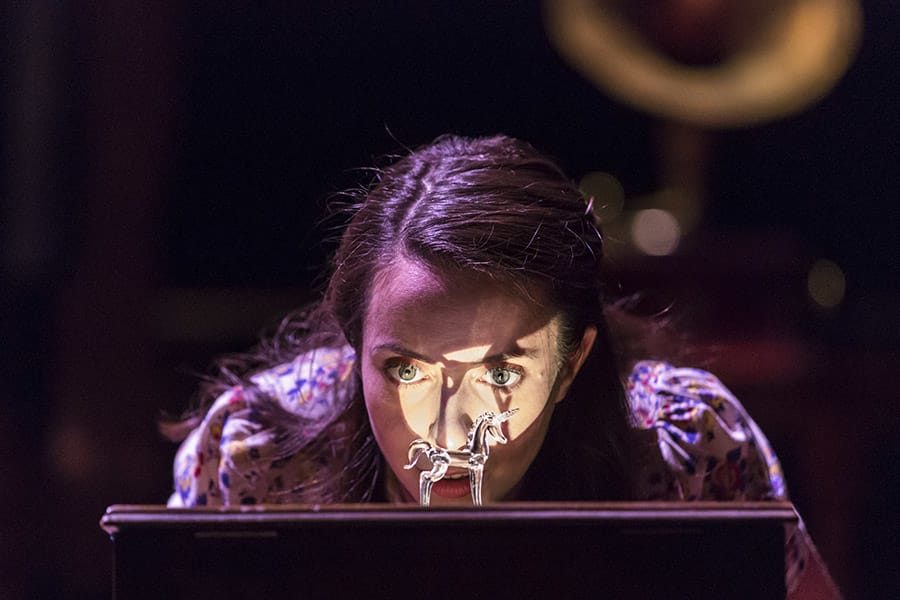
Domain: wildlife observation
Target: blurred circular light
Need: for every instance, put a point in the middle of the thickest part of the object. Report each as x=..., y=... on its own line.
x=607, y=192
x=826, y=284
x=655, y=232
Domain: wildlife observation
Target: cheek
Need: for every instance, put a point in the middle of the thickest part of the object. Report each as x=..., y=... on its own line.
x=382, y=411
x=418, y=408
x=386, y=416
x=391, y=408
x=534, y=402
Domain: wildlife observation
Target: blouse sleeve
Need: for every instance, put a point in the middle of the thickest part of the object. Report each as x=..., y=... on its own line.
x=232, y=458
x=198, y=460
x=706, y=438
x=710, y=448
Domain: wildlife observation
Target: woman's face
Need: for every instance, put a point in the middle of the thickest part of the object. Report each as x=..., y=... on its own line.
x=440, y=350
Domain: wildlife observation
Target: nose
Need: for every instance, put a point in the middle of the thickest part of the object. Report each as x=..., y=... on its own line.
x=451, y=432
x=459, y=408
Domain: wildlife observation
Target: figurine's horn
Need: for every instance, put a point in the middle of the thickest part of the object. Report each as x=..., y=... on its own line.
x=505, y=415
x=497, y=431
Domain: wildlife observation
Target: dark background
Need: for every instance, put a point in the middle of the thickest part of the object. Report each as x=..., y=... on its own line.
x=165, y=170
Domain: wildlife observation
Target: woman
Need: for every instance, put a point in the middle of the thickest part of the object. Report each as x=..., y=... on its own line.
x=468, y=280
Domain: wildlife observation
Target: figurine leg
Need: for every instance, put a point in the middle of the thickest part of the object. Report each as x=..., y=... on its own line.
x=476, y=473
x=428, y=478
x=425, y=483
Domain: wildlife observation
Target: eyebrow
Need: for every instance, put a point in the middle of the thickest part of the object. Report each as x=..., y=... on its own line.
x=403, y=351
x=517, y=352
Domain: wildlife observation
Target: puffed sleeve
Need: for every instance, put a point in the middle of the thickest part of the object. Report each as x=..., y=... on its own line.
x=196, y=467
x=233, y=457
x=711, y=445
x=708, y=448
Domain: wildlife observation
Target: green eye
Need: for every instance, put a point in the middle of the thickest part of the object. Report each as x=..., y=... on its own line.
x=405, y=373
x=503, y=376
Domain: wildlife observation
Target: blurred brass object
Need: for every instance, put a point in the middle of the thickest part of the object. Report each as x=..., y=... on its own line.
x=752, y=71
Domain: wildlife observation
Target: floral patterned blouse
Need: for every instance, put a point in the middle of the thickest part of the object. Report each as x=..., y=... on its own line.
x=706, y=445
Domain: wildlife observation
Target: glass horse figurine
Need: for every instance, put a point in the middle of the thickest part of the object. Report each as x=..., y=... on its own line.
x=485, y=429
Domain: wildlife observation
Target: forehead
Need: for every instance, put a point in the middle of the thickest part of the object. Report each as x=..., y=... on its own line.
x=417, y=304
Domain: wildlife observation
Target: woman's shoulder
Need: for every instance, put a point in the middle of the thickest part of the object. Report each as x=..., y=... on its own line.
x=707, y=445
x=310, y=385
x=656, y=389
x=701, y=444
x=239, y=453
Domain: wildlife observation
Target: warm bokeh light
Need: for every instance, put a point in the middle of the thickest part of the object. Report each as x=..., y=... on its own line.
x=607, y=192
x=655, y=232
x=826, y=284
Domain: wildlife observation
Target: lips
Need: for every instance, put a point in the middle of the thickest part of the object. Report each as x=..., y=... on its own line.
x=451, y=487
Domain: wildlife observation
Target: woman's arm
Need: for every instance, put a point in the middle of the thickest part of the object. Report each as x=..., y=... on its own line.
x=709, y=448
